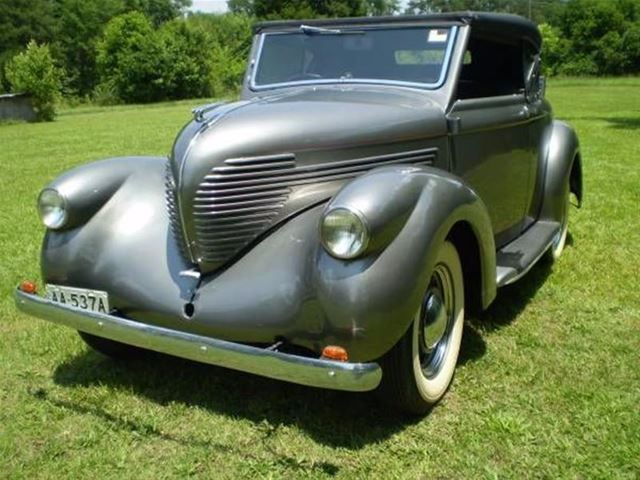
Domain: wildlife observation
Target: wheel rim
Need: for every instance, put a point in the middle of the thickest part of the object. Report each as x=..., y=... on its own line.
x=436, y=321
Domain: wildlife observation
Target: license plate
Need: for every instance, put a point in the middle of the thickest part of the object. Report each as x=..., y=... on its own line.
x=81, y=298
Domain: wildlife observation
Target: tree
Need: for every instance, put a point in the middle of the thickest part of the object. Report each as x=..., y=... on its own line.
x=631, y=48
x=241, y=7
x=382, y=7
x=538, y=11
x=186, y=64
x=20, y=22
x=554, y=49
x=280, y=9
x=595, y=30
x=229, y=38
x=158, y=11
x=130, y=59
x=34, y=72
x=78, y=26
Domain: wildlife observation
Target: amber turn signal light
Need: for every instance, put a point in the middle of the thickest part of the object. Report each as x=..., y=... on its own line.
x=27, y=286
x=333, y=352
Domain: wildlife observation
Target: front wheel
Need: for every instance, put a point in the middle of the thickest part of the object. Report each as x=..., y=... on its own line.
x=418, y=370
x=560, y=240
x=111, y=348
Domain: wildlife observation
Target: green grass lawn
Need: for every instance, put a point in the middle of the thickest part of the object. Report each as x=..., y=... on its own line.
x=548, y=384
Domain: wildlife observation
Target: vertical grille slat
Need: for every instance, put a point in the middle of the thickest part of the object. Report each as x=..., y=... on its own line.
x=172, y=209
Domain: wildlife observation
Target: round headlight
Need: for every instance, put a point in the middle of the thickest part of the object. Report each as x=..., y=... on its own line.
x=344, y=233
x=52, y=208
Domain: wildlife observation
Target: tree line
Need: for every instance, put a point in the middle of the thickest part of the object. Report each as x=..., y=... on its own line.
x=111, y=51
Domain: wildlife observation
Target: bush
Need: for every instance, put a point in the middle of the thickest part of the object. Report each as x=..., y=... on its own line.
x=138, y=63
x=228, y=41
x=34, y=72
x=187, y=60
x=130, y=59
x=554, y=49
x=631, y=48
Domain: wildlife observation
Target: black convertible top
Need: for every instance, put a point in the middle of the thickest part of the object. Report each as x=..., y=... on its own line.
x=502, y=24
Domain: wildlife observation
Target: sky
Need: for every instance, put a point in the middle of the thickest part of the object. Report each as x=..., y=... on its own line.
x=219, y=6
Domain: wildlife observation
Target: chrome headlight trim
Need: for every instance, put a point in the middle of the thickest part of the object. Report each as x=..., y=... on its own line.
x=360, y=239
x=52, y=208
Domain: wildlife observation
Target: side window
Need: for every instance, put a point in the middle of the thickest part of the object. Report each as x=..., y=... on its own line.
x=491, y=68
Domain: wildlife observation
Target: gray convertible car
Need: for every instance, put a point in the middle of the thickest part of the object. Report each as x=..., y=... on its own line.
x=378, y=179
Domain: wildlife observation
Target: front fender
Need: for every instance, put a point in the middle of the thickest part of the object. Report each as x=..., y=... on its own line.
x=125, y=244
x=88, y=187
x=562, y=151
x=374, y=298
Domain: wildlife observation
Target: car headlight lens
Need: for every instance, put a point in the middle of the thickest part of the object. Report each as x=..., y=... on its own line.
x=344, y=233
x=52, y=208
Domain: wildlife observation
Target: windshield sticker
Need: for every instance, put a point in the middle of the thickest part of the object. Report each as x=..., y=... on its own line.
x=438, y=36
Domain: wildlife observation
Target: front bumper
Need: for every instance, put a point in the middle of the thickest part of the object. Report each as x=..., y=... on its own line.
x=356, y=377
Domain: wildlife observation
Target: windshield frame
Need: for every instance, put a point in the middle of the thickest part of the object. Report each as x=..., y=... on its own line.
x=446, y=63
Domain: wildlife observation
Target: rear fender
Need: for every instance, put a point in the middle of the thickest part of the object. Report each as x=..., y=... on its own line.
x=562, y=170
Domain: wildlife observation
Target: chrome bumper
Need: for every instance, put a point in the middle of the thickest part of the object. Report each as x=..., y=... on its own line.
x=355, y=377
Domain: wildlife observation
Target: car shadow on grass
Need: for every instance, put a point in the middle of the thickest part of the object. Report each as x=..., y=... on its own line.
x=341, y=419
x=618, y=123
x=512, y=299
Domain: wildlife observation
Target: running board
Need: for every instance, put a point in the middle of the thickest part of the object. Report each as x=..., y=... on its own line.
x=515, y=259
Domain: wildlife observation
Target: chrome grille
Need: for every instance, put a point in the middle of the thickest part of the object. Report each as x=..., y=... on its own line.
x=172, y=209
x=242, y=198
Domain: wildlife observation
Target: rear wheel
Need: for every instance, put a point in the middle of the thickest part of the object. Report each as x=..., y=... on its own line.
x=418, y=370
x=111, y=348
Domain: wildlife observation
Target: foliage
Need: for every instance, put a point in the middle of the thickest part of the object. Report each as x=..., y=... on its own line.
x=582, y=37
x=72, y=28
x=538, y=11
x=78, y=25
x=228, y=41
x=382, y=7
x=282, y=9
x=631, y=48
x=34, y=72
x=186, y=60
x=139, y=63
x=554, y=49
x=20, y=22
x=130, y=58
x=158, y=11
x=601, y=37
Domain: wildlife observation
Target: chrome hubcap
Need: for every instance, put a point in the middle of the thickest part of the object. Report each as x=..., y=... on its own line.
x=436, y=321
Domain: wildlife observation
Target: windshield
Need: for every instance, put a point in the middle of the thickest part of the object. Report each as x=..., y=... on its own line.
x=416, y=56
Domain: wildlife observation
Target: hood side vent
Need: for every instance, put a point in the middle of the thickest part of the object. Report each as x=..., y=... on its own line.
x=242, y=198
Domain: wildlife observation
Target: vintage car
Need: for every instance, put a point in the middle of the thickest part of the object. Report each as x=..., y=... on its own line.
x=378, y=178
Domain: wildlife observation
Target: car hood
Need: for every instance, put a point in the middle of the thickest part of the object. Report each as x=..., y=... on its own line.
x=241, y=150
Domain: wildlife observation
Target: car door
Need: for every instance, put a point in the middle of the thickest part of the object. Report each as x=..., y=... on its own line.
x=490, y=133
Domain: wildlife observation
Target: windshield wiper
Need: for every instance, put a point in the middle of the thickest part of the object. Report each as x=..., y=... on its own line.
x=309, y=30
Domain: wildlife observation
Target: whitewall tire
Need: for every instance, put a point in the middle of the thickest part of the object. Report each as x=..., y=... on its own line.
x=418, y=370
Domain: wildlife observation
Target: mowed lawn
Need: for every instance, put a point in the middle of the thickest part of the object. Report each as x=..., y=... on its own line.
x=548, y=384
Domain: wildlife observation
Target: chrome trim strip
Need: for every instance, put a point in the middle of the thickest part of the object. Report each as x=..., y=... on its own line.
x=347, y=81
x=355, y=377
x=179, y=183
